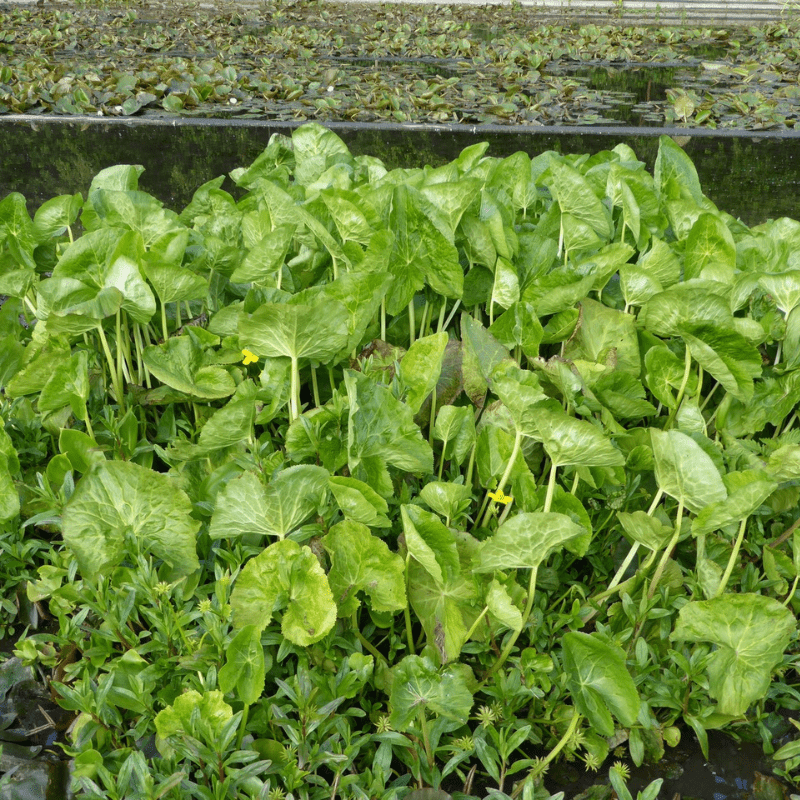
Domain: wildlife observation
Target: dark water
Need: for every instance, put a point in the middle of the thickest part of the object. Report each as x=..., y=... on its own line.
x=754, y=176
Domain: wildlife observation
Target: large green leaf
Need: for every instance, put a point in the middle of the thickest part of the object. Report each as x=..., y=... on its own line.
x=244, y=671
x=752, y=488
x=724, y=354
x=199, y=716
x=359, y=502
x=381, y=432
x=576, y=197
x=294, y=330
x=599, y=682
x=285, y=576
x=181, y=363
x=685, y=471
x=233, y=423
x=674, y=174
x=710, y=247
x=574, y=442
x=526, y=540
x=120, y=509
x=417, y=686
x=751, y=632
x=420, y=368
x=430, y=542
x=606, y=336
x=360, y=562
x=420, y=254
x=245, y=506
x=481, y=353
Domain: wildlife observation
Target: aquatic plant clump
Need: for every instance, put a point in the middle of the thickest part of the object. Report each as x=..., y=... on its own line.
x=367, y=480
x=404, y=63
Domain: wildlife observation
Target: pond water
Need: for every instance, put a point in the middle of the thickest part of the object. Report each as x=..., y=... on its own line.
x=754, y=176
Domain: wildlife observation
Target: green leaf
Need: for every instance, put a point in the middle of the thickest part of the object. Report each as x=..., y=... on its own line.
x=200, y=716
x=441, y=608
x=183, y=365
x=120, y=509
x=420, y=368
x=315, y=150
x=751, y=490
x=285, y=576
x=417, y=687
x=674, y=174
x=685, y=471
x=266, y=257
x=526, y=540
x=576, y=197
x=599, y=682
x=244, y=506
x=430, y=543
x=68, y=386
x=420, y=254
x=784, y=288
x=750, y=631
x=709, y=245
x=481, y=353
x=381, y=431
x=455, y=427
x=502, y=607
x=17, y=229
x=173, y=283
x=359, y=502
x=519, y=326
x=233, y=423
x=606, y=336
x=103, y=261
x=55, y=215
x=295, y=331
x=449, y=500
x=574, y=442
x=244, y=671
x=724, y=354
x=685, y=303
x=360, y=562
x=645, y=530
x=9, y=498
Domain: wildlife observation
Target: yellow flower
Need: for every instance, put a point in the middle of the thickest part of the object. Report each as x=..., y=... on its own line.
x=249, y=358
x=499, y=497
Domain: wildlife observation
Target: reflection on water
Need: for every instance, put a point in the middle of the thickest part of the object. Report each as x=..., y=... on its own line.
x=752, y=176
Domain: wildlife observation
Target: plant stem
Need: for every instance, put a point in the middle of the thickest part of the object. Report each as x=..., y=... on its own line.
x=294, y=396
x=440, y=325
x=515, y=635
x=682, y=389
x=111, y=369
x=164, y=330
x=314, y=386
x=451, y=314
x=411, y=323
x=665, y=557
x=551, y=486
x=407, y=611
x=365, y=643
x=383, y=319
x=562, y=743
x=506, y=475
x=475, y=624
x=732, y=560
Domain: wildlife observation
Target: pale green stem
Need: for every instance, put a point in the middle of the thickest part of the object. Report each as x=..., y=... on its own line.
x=411, y=323
x=708, y=396
x=294, y=398
x=506, y=475
x=30, y=305
x=476, y=623
x=562, y=743
x=315, y=387
x=383, y=320
x=111, y=370
x=406, y=611
x=432, y=417
x=575, y=481
x=551, y=486
x=88, y=422
x=682, y=388
x=365, y=643
x=118, y=329
x=442, y=311
x=451, y=314
x=515, y=635
x=792, y=591
x=441, y=459
x=666, y=554
x=732, y=560
x=242, y=726
x=424, y=321
x=178, y=320
x=164, y=330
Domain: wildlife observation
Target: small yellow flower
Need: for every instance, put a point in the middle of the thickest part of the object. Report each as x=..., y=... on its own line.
x=499, y=497
x=249, y=358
